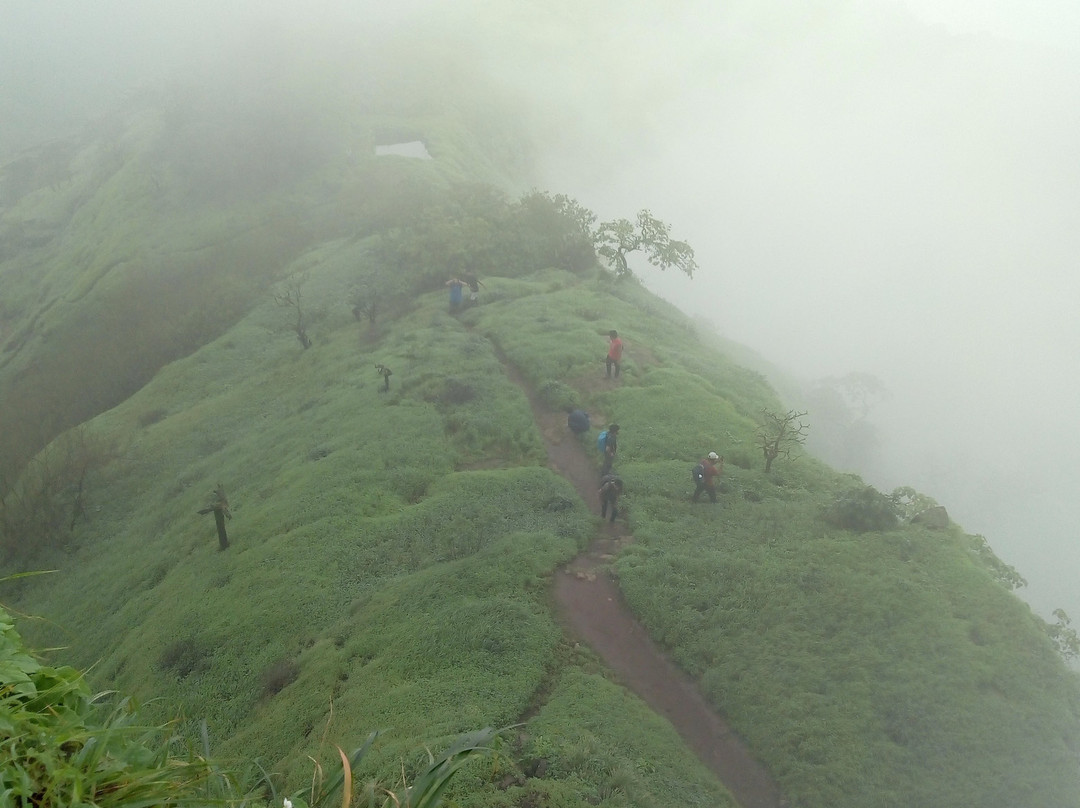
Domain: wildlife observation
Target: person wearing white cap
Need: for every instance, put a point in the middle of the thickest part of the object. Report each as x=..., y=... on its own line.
x=705, y=474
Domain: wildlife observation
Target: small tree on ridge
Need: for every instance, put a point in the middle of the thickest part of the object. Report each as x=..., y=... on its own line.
x=615, y=239
x=290, y=298
x=779, y=434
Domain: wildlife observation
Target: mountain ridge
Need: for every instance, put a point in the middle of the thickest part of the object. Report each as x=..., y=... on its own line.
x=392, y=551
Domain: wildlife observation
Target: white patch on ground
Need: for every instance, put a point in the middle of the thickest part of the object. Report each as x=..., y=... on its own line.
x=414, y=148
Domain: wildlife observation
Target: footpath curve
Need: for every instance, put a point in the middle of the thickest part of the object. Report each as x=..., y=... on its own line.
x=592, y=610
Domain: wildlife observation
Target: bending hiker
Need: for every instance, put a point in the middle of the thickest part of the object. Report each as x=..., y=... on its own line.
x=386, y=373
x=705, y=474
x=614, y=354
x=474, y=288
x=610, y=488
x=608, y=443
x=455, y=293
x=578, y=421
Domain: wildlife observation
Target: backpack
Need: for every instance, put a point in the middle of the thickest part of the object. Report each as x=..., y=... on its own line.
x=698, y=472
x=601, y=441
x=578, y=421
x=612, y=480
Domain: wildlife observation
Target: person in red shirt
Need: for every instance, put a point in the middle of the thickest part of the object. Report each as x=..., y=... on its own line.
x=614, y=354
x=707, y=481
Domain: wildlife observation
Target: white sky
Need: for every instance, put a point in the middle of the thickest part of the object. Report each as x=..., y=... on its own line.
x=1044, y=23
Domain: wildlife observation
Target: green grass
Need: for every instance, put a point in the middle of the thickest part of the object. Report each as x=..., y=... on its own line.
x=848, y=659
x=63, y=745
x=393, y=585
x=341, y=490
x=391, y=552
x=795, y=629
x=608, y=746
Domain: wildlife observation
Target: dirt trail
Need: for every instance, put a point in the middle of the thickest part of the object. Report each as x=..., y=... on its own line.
x=592, y=609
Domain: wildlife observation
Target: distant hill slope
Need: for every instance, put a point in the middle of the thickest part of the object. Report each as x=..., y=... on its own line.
x=153, y=230
x=390, y=551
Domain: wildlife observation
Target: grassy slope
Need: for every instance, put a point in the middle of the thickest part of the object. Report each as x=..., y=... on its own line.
x=391, y=550
x=155, y=229
x=378, y=571
x=128, y=276
x=882, y=668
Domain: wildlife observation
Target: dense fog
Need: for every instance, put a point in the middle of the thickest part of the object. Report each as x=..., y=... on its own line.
x=891, y=188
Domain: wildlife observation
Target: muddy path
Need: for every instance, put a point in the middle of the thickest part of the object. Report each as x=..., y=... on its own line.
x=593, y=611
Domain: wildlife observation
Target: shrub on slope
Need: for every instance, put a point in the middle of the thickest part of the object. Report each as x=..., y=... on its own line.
x=62, y=745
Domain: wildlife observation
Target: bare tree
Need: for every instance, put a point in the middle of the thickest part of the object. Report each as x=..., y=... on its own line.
x=48, y=499
x=366, y=303
x=290, y=298
x=779, y=434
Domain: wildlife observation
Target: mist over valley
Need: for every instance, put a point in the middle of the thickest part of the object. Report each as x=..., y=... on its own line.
x=295, y=302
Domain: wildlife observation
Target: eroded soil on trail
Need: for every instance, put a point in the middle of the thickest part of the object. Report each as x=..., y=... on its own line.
x=593, y=611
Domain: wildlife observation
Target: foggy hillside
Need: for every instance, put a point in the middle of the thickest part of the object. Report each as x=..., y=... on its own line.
x=884, y=188
x=225, y=298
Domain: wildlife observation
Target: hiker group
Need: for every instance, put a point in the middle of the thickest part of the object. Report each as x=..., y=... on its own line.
x=457, y=291
x=611, y=485
x=704, y=474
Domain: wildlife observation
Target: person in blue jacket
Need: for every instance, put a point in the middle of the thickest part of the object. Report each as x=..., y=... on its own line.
x=456, y=293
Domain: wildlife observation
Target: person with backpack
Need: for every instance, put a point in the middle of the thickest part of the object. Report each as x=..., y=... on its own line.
x=610, y=488
x=386, y=373
x=614, y=354
x=456, y=294
x=608, y=443
x=578, y=421
x=705, y=474
x=474, y=285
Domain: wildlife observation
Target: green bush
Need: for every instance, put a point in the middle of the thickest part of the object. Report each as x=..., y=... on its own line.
x=558, y=396
x=62, y=746
x=862, y=510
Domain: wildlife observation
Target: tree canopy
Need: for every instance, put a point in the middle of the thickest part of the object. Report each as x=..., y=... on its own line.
x=616, y=239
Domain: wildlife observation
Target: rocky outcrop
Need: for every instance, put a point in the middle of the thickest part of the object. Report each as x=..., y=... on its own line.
x=936, y=518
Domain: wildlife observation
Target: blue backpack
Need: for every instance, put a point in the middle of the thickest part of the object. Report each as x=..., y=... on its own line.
x=601, y=441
